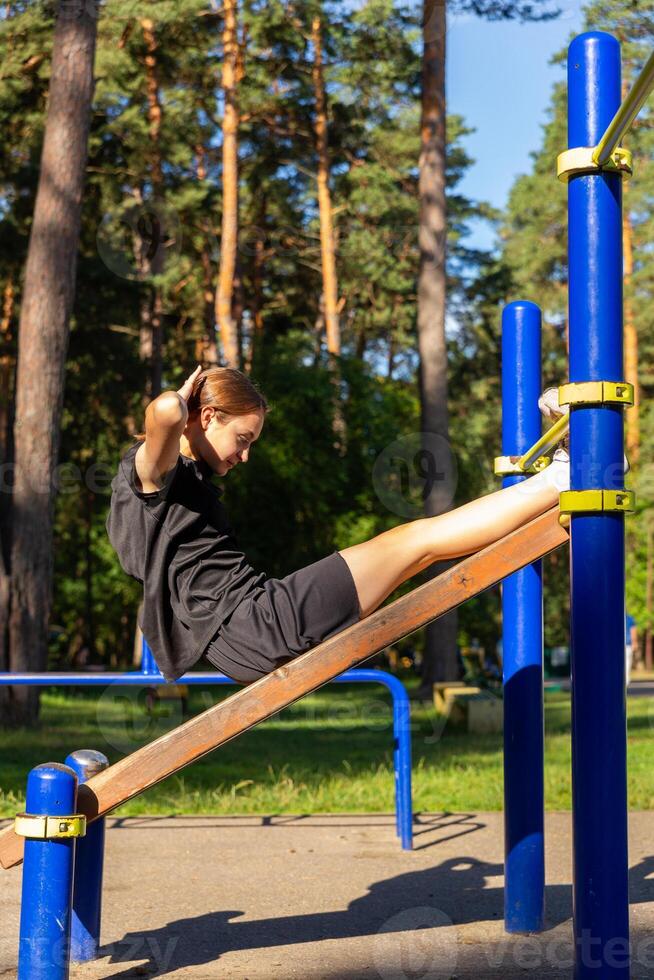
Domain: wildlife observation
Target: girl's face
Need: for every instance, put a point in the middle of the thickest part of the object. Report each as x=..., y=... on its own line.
x=224, y=445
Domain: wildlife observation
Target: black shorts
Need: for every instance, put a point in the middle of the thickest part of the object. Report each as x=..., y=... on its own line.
x=285, y=617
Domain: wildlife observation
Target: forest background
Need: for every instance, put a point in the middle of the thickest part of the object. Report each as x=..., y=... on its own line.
x=255, y=187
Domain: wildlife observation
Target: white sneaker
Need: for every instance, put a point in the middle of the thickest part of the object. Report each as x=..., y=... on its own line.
x=549, y=405
x=550, y=409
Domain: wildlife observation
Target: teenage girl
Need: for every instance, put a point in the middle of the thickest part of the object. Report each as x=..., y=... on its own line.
x=201, y=596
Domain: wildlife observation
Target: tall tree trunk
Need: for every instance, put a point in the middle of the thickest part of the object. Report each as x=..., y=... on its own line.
x=7, y=377
x=229, y=238
x=47, y=302
x=391, y=355
x=649, y=659
x=440, y=661
x=362, y=343
x=89, y=625
x=207, y=348
x=330, y=306
x=630, y=339
x=256, y=302
x=392, y=343
x=155, y=111
x=238, y=308
x=7, y=367
x=154, y=232
x=327, y=250
x=7, y=373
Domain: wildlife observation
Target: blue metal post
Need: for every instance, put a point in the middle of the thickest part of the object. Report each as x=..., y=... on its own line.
x=148, y=663
x=89, y=859
x=522, y=644
x=599, y=780
x=45, y=912
x=401, y=761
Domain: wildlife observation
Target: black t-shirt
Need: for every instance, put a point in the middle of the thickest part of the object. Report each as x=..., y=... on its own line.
x=178, y=543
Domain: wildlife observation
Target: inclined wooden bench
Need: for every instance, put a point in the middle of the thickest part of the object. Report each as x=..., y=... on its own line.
x=250, y=705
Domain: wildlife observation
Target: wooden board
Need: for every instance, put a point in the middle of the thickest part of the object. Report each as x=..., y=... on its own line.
x=250, y=705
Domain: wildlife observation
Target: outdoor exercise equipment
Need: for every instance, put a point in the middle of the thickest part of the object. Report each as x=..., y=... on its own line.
x=150, y=675
x=522, y=640
x=50, y=827
x=593, y=166
x=597, y=502
x=250, y=705
x=89, y=859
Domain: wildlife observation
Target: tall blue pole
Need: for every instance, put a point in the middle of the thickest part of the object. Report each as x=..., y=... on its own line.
x=45, y=912
x=89, y=861
x=522, y=644
x=599, y=779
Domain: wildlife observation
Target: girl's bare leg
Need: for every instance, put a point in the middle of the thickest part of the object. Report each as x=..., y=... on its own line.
x=382, y=564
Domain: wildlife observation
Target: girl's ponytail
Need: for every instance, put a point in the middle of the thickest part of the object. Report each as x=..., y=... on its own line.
x=195, y=398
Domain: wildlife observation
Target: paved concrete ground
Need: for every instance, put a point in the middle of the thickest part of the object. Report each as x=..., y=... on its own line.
x=329, y=898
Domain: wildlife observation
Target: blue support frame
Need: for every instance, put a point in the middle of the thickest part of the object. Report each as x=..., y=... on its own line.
x=89, y=861
x=45, y=912
x=522, y=644
x=150, y=676
x=597, y=562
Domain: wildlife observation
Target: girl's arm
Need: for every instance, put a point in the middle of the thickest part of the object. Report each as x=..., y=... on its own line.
x=165, y=420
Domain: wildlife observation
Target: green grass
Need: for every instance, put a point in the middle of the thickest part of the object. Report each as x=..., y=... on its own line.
x=331, y=752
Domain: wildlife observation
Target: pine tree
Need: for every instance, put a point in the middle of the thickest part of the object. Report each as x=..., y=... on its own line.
x=47, y=301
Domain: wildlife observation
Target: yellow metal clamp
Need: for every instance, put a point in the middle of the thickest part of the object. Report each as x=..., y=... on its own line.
x=49, y=828
x=590, y=501
x=597, y=393
x=581, y=160
x=510, y=465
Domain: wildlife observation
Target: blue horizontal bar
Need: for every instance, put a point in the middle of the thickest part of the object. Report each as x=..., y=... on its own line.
x=363, y=675
x=136, y=677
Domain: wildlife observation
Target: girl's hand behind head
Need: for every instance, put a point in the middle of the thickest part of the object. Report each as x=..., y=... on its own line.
x=186, y=390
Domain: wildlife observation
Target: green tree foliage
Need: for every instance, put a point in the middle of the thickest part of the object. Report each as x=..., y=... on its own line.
x=296, y=500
